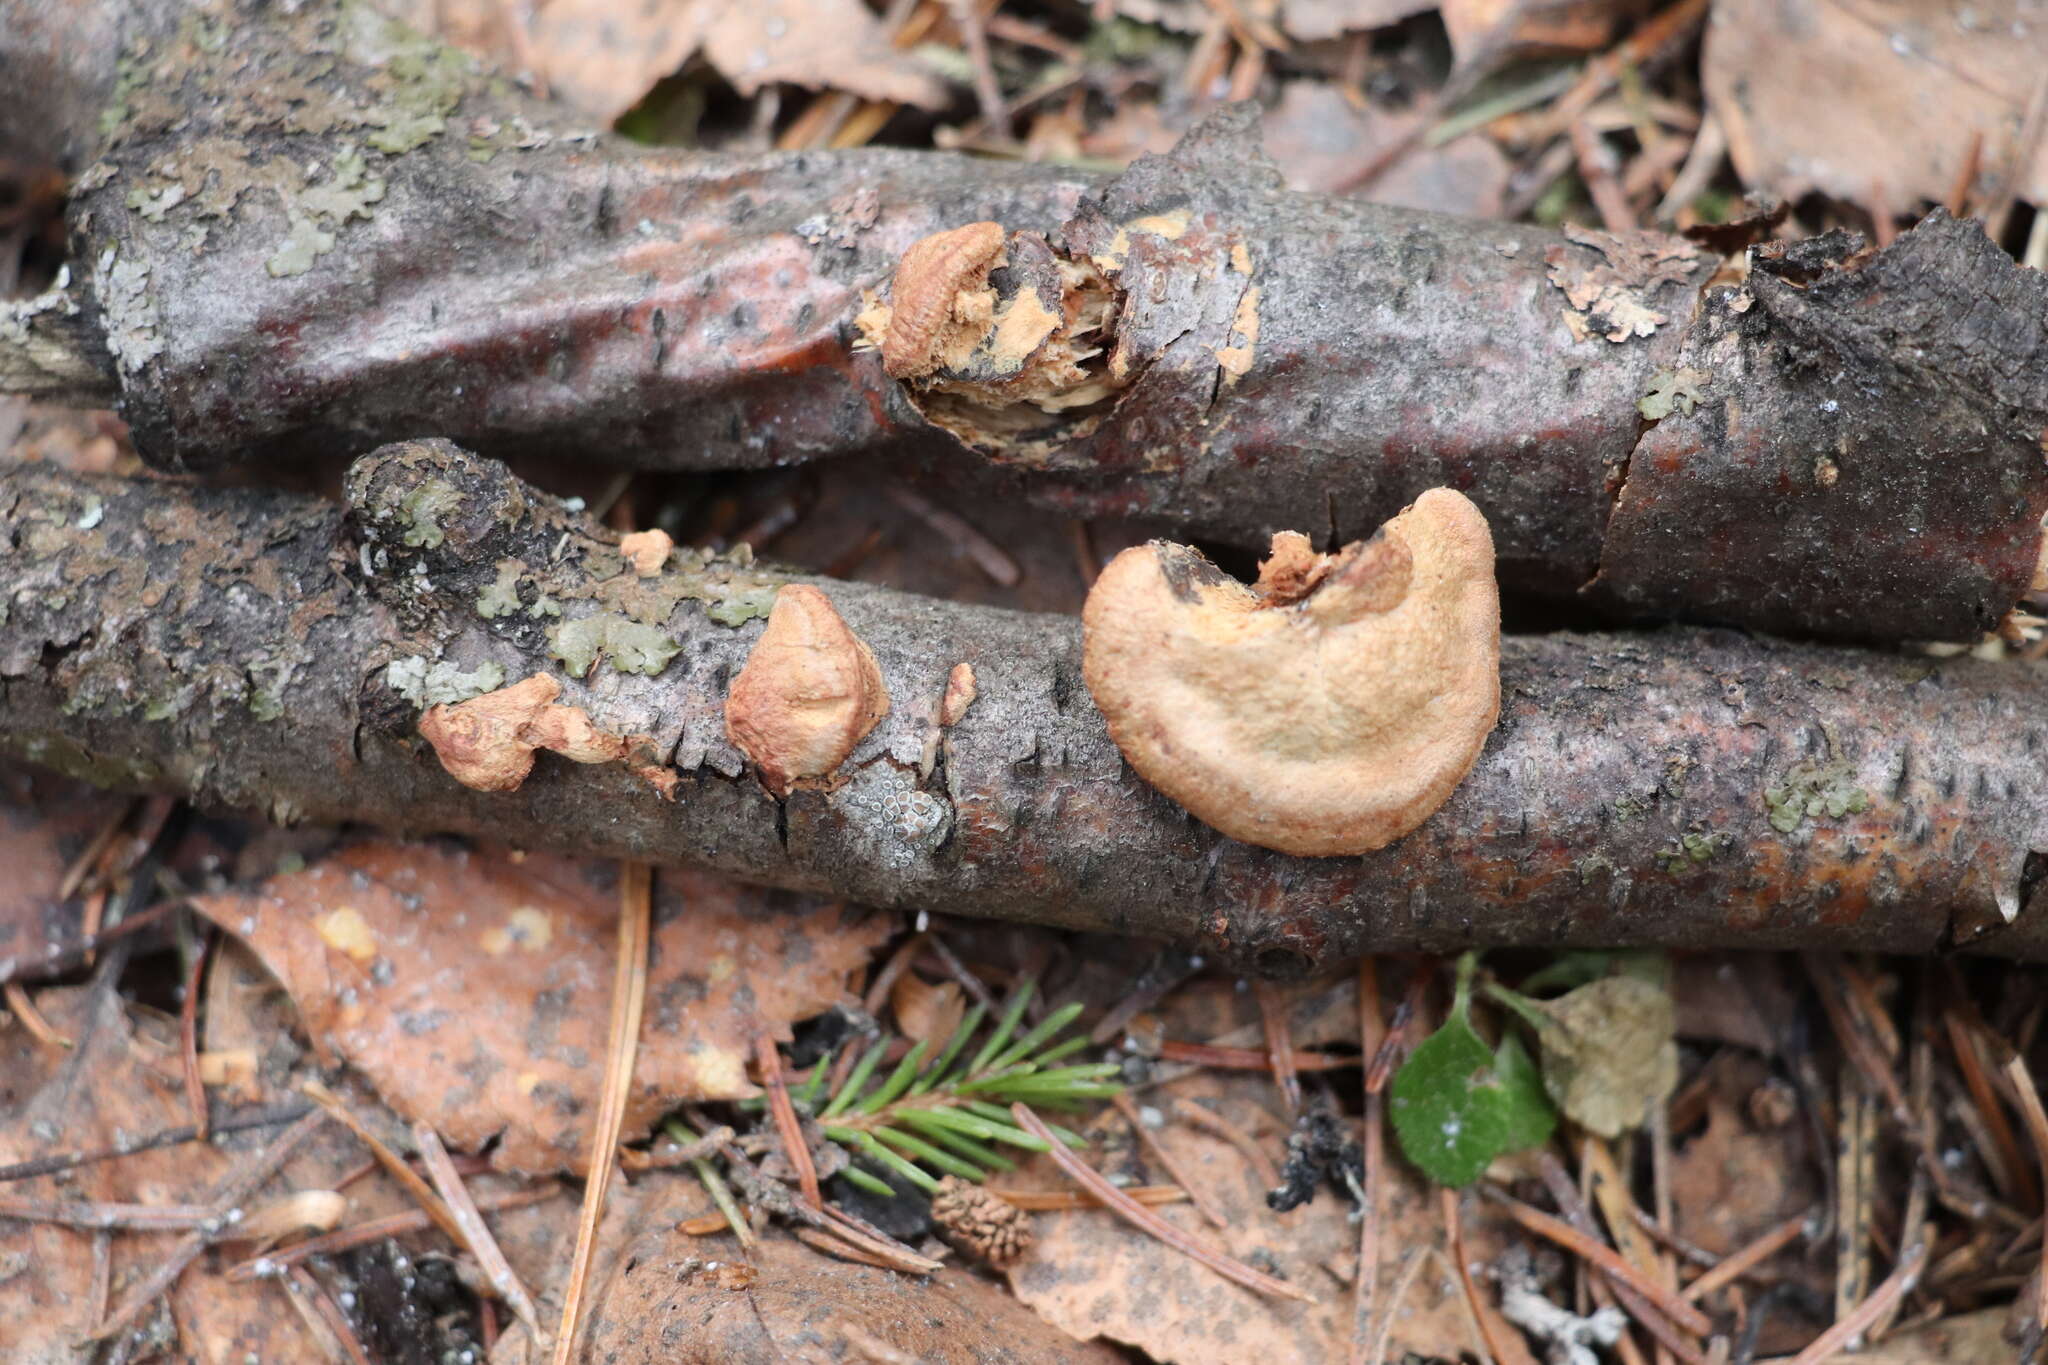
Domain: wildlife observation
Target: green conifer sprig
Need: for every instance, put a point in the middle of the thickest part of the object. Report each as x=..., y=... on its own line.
x=921, y=1122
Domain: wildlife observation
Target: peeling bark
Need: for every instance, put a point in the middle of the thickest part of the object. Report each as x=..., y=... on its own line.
x=308, y=230
x=1686, y=789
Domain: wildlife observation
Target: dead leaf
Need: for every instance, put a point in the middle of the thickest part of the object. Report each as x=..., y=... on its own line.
x=1608, y=1052
x=46, y=821
x=1320, y=140
x=925, y=1013
x=822, y=44
x=472, y=987
x=661, y=1295
x=603, y=57
x=1875, y=101
x=1730, y=1185
x=1574, y=26
x=1310, y=21
x=1095, y=1275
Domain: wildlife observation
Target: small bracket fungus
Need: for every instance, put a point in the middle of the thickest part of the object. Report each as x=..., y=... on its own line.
x=1326, y=710
x=808, y=693
x=959, y=695
x=487, y=742
x=646, y=551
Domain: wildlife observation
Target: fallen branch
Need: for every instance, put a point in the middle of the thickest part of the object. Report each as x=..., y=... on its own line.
x=1685, y=789
x=309, y=229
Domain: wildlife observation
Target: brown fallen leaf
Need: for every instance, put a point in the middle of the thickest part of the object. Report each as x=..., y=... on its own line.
x=1575, y=26
x=1876, y=103
x=45, y=822
x=1321, y=142
x=1094, y=1275
x=660, y=1294
x=602, y=57
x=471, y=988
x=1730, y=1184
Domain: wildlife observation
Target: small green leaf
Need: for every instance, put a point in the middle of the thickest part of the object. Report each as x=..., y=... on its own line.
x=1457, y=1105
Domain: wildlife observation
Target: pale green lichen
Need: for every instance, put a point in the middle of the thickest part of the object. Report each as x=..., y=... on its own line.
x=501, y=596
x=423, y=508
x=423, y=80
x=349, y=193
x=132, y=72
x=1672, y=390
x=1691, y=851
x=441, y=684
x=1814, y=791
x=732, y=590
x=303, y=244
x=629, y=646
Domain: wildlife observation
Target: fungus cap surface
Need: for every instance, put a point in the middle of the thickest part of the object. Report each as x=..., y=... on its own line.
x=1328, y=709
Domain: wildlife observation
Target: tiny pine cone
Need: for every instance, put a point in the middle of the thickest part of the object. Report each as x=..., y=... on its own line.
x=983, y=1224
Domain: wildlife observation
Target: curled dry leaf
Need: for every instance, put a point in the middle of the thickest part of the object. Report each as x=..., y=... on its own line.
x=1330, y=708
x=809, y=692
x=1609, y=1054
x=471, y=988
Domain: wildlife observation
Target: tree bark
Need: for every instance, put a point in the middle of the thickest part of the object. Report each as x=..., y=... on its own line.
x=1684, y=789
x=310, y=230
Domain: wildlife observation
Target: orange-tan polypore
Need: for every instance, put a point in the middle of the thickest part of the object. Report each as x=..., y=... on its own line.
x=488, y=741
x=808, y=693
x=1328, y=709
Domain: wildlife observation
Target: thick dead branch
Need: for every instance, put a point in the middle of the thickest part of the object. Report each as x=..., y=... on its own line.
x=1686, y=788
x=309, y=229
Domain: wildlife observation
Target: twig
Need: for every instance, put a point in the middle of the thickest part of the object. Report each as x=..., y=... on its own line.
x=1843, y=1332
x=2037, y=1128
x=1067, y=1201
x=1605, y=1258
x=126, y=1217
x=991, y=558
x=1366, y=1280
x=238, y=1185
x=1210, y=1121
x=1736, y=1264
x=416, y=1185
x=1454, y=1233
x=374, y=1230
x=1609, y=1289
x=476, y=1234
x=1149, y=1140
x=1279, y=1043
x=188, y=1035
x=32, y=1020
x=1248, y=1059
x=62, y=957
x=787, y=1125
x=1142, y=1218
x=330, y=1315
x=674, y=1154
x=170, y=1137
x=629, y=997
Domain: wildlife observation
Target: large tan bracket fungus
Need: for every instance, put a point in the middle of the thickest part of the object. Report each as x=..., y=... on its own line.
x=808, y=693
x=1326, y=710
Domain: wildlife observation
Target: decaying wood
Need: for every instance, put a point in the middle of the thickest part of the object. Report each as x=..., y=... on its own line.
x=308, y=229
x=1684, y=788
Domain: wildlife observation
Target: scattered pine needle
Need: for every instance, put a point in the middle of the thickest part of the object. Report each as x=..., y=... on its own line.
x=1142, y=1218
x=188, y=1035
x=1837, y=1338
x=787, y=1126
x=228, y=1195
x=374, y=1230
x=1279, y=1044
x=1371, y=1033
x=629, y=996
x=2037, y=1128
x=1454, y=1232
x=394, y=1164
x=1739, y=1263
x=32, y=1019
x=307, y=1291
x=476, y=1234
x=1666, y=1301
x=1149, y=1140
x=1247, y=1058
x=1068, y=1201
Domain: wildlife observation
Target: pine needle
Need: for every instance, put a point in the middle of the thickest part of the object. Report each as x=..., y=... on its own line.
x=629, y=996
x=476, y=1234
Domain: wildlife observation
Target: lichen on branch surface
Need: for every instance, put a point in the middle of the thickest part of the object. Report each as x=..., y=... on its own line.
x=307, y=228
x=1687, y=788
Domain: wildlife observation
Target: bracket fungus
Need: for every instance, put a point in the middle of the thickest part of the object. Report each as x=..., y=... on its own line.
x=488, y=742
x=1326, y=710
x=809, y=692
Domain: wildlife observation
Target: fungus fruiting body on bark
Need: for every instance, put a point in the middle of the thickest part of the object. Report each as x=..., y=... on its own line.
x=1329, y=708
x=809, y=692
